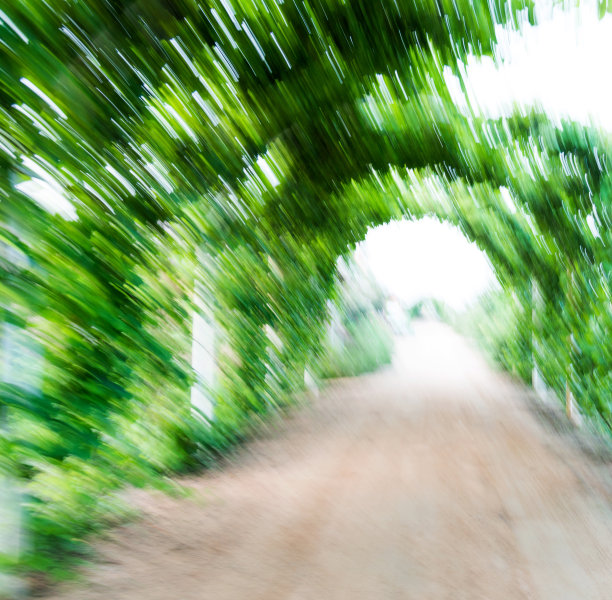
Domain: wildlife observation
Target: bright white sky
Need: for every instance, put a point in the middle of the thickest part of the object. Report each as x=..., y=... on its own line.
x=562, y=65
x=425, y=259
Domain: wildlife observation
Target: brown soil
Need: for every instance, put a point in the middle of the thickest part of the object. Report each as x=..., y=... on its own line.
x=429, y=480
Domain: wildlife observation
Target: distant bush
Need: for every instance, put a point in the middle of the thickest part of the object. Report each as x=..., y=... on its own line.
x=368, y=347
x=525, y=331
x=359, y=340
x=494, y=323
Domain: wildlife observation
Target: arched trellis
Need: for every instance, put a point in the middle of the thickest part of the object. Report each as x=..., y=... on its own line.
x=544, y=237
x=526, y=253
x=258, y=132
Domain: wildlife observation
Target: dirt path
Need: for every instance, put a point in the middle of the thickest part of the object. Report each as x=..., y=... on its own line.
x=431, y=480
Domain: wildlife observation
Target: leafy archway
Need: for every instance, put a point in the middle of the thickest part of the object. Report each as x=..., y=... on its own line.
x=268, y=136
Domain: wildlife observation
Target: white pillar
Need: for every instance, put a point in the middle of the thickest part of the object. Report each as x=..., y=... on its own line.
x=311, y=383
x=571, y=410
x=335, y=330
x=537, y=382
x=570, y=406
x=22, y=364
x=203, y=356
x=11, y=533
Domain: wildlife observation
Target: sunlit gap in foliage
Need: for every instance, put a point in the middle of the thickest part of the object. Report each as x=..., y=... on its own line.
x=426, y=259
x=555, y=65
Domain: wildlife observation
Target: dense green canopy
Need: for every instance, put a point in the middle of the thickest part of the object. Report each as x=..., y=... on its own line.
x=267, y=137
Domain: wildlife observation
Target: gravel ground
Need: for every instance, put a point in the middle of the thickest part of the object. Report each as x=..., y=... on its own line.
x=436, y=478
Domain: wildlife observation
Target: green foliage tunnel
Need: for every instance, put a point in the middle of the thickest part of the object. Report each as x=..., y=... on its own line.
x=240, y=149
